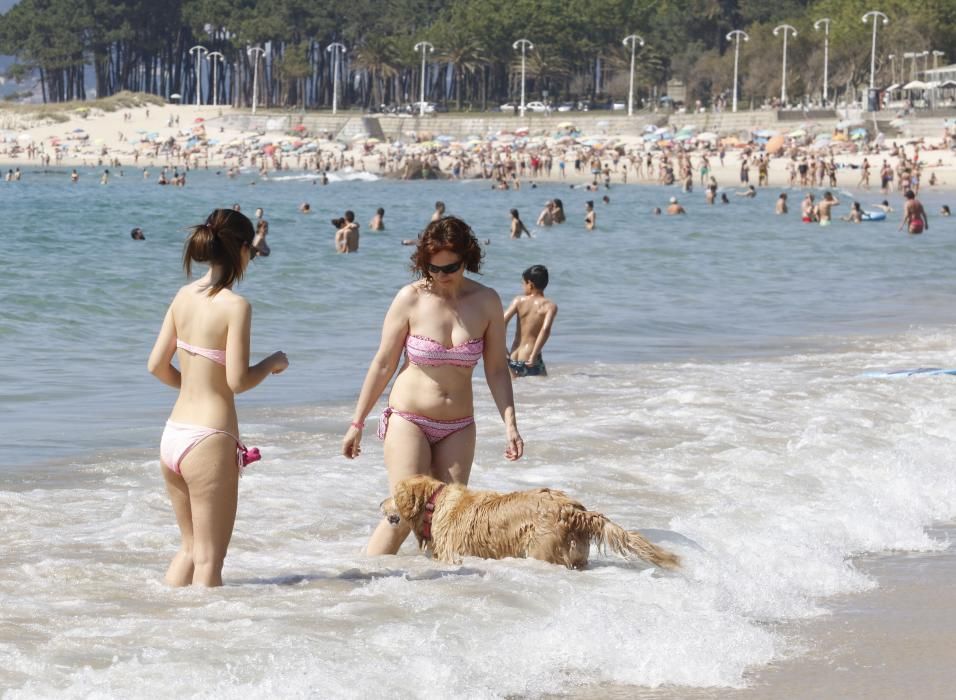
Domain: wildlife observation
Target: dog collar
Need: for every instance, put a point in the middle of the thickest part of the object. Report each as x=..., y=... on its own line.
x=429, y=510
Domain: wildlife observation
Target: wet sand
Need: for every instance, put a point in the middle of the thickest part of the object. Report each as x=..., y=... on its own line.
x=895, y=641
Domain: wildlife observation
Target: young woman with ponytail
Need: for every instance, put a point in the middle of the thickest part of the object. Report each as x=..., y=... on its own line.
x=201, y=453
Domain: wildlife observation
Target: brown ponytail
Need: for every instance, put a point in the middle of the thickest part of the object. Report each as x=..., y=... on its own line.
x=219, y=242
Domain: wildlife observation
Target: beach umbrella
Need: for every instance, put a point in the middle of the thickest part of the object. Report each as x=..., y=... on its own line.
x=299, y=127
x=858, y=134
x=775, y=144
x=764, y=133
x=707, y=136
x=839, y=137
x=445, y=138
x=797, y=133
x=521, y=131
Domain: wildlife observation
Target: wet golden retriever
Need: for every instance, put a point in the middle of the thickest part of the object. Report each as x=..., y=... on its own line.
x=453, y=521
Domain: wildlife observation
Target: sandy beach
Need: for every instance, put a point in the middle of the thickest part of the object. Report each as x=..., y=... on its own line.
x=95, y=138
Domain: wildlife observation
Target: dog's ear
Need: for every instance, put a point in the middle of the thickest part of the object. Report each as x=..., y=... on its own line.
x=411, y=495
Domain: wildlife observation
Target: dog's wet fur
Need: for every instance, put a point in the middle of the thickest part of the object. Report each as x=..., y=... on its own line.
x=542, y=524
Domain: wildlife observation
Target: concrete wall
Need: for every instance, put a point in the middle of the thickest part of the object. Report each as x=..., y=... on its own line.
x=349, y=126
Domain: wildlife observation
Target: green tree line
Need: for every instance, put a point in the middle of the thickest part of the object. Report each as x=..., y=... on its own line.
x=143, y=45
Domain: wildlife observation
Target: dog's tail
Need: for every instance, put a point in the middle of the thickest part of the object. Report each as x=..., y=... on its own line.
x=624, y=542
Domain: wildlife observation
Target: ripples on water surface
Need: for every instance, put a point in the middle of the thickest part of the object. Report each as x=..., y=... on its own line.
x=707, y=386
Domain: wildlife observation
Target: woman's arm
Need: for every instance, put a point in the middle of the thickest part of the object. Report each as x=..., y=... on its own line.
x=498, y=375
x=544, y=334
x=161, y=358
x=383, y=366
x=239, y=375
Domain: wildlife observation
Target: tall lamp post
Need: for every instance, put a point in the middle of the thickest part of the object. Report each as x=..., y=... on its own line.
x=736, y=35
x=255, y=52
x=523, y=44
x=214, y=58
x=785, y=28
x=336, y=48
x=825, y=23
x=634, y=40
x=426, y=48
x=199, y=51
x=874, y=15
x=936, y=56
x=912, y=56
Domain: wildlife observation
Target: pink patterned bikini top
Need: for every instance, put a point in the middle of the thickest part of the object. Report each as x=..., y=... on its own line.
x=217, y=356
x=425, y=351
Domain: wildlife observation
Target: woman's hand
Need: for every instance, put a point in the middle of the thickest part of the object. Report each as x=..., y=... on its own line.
x=515, y=445
x=352, y=444
x=278, y=362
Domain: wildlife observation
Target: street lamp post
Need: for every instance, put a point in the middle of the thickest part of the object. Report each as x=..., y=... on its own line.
x=199, y=51
x=336, y=48
x=737, y=35
x=912, y=56
x=634, y=39
x=215, y=57
x=785, y=28
x=255, y=52
x=875, y=15
x=523, y=44
x=825, y=23
x=426, y=48
x=936, y=56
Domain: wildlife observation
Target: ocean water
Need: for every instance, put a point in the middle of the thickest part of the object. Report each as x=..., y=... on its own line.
x=711, y=384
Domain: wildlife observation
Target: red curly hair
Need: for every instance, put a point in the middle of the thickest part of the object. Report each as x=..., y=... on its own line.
x=448, y=233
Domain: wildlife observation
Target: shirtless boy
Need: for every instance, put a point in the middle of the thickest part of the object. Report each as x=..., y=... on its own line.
x=823, y=208
x=347, y=237
x=535, y=317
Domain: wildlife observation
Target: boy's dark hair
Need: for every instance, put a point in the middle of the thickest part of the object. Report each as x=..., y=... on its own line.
x=380, y=211
x=536, y=275
x=350, y=216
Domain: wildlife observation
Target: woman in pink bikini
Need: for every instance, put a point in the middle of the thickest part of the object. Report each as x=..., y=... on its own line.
x=444, y=323
x=200, y=451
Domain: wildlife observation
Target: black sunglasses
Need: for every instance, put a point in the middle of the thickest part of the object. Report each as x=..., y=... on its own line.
x=447, y=269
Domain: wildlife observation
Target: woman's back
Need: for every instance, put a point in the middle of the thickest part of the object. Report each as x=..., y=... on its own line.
x=202, y=324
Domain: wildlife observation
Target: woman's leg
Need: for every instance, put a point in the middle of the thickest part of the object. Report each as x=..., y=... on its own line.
x=212, y=476
x=407, y=453
x=180, y=571
x=453, y=456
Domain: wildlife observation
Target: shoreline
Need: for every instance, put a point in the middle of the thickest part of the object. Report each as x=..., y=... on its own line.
x=122, y=133
x=893, y=641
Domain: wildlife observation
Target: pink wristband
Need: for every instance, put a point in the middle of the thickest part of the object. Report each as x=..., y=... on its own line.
x=359, y=426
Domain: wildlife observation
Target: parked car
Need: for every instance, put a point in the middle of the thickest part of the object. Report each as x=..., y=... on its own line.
x=416, y=107
x=617, y=106
x=566, y=106
x=536, y=107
